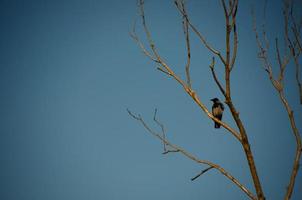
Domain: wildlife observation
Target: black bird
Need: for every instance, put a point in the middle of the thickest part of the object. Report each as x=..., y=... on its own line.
x=217, y=110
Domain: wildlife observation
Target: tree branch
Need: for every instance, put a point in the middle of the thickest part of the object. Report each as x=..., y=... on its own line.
x=279, y=86
x=201, y=173
x=235, y=42
x=134, y=36
x=295, y=46
x=212, y=67
x=235, y=114
x=200, y=36
x=187, y=38
x=176, y=148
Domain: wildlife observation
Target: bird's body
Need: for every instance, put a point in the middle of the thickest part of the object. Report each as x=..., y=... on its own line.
x=217, y=110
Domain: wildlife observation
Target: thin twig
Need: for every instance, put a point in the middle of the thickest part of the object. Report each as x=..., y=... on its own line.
x=200, y=36
x=233, y=5
x=212, y=67
x=263, y=52
x=298, y=77
x=296, y=28
x=235, y=45
x=142, y=47
x=170, y=151
x=282, y=65
x=163, y=70
x=264, y=25
x=162, y=128
x=235, y=34
x=201, y=173
x=226, y=14
x=297, y=38
x=187, y=37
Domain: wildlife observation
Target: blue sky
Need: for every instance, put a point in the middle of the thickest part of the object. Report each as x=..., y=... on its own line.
x=69, y=70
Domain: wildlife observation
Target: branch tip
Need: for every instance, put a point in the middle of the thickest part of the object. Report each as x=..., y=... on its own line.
x=201, y=173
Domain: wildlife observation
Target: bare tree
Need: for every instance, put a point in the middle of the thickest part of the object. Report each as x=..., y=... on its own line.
x=228, y=62
x=292, y=50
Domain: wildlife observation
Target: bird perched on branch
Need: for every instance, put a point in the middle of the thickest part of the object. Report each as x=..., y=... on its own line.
x=217, y=110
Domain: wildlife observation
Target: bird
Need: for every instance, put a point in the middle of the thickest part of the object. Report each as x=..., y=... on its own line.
x=217, y=110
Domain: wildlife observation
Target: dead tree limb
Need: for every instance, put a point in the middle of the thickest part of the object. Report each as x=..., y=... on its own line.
x=212, y=67
x=175, y=148
x=185, y=24
x=230, y=22
x=278, y=84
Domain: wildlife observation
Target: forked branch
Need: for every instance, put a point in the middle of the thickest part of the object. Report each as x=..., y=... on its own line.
x=175, y=148
x=230, y=28
x=279, y=86
x=164, y=67
x=294, y=43
x=195, y=30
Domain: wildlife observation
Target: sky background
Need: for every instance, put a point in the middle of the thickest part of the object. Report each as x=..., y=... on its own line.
x=68, y=72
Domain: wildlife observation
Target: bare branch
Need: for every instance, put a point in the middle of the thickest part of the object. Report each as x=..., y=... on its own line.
x=234, y=8
x=212, y=67
x=226, y=14
x=162, y=128
x=263, y=26
x=227, y=39
x=142, y=47
x=297, y=38
x=298, y=76
x=290, y=187
x=297, y=136
x=200, y=36
x=201, y=173
x=282, y=65
x=235, y=34
x=235, y=45
x=278, y=54
x=170, y=151
x=176, y=148
x=279, y=85
x=186, y=32
x=235, y=114
x=150, y=41
x=296, y=28
x=294, y=45
x=263, y=51
x=163, y=70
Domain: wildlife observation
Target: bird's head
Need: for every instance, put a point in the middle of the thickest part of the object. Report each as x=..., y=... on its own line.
x=215, y=100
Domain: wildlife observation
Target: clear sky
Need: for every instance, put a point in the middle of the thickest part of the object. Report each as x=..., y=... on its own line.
x=69, y=70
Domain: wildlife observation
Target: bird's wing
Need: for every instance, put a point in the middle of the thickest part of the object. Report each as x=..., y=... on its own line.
x=217, y=110
x=222, y=106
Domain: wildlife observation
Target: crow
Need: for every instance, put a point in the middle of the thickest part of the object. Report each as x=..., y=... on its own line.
x=217, y=110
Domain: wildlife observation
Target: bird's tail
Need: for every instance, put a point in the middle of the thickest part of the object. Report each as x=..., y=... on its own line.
x=217, y=125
